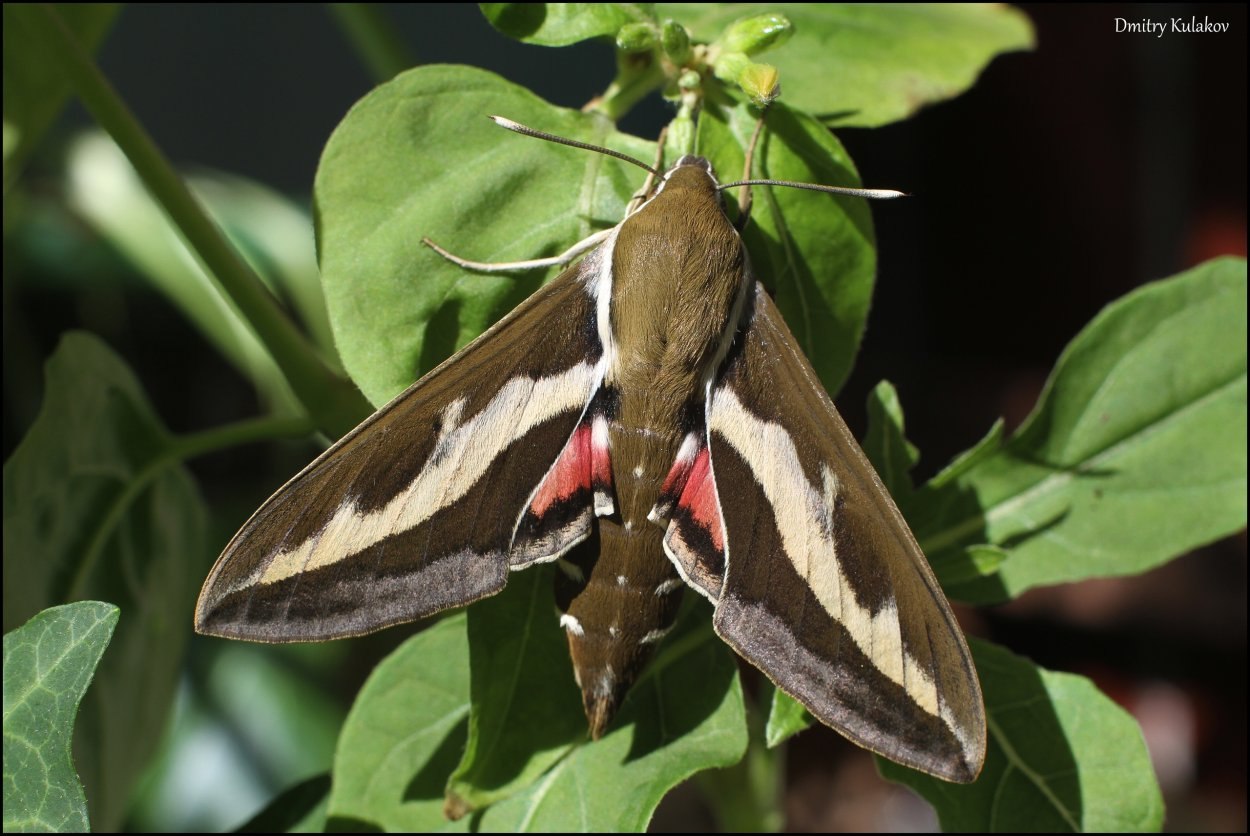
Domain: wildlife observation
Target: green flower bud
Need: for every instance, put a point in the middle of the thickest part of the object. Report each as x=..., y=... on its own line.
x=680, y=137
x=676, y=42
x=635, y=37
x=761, y=82
x=729, y=65
x=688, y=83
x=753, y=35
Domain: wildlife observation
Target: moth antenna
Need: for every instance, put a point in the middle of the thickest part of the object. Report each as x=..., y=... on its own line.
x=876, y=194
x=566, y=257
x=522, y=129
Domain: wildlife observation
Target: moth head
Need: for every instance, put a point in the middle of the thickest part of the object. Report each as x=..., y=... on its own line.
x=693, y=176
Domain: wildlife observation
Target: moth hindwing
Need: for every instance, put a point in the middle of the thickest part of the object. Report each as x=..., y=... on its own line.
x=647, y=421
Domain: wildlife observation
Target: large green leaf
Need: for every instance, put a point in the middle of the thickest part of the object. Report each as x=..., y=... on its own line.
x=95, y=507
x=561, y=24
x=683, y=716
x=1135, y=453
x=527, y=713
x=418, y=157
x=301, y=809
x=404, y=735
x=527, y=710
x=48, y=664
x=870, y=64
x=411, y=722
x=1062, y=757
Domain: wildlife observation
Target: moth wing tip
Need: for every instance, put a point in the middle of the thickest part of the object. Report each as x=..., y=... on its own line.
x=964, y=772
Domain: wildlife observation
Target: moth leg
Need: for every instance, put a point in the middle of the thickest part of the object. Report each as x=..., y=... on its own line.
x=642, y=194
x=566, y=257
x=744, y=197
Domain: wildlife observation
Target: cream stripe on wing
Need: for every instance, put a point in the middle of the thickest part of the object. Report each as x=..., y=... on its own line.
x=804, y=519
x=462, y=455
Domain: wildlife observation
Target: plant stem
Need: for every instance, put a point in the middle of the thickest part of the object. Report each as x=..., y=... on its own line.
x=636, y=76
x=333, y=402
x=233, y=435
x=366, y=28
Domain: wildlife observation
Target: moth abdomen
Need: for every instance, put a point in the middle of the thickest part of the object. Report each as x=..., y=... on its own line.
x=619, y=595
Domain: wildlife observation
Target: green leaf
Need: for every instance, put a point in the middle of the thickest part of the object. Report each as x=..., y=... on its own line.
x=301, y=809
x=969, y=458
x=886, y=445
x=561, y=24
x=35, y=90
x=973, y=564
x=1135, y=453
x=866, y=65
x=815, y=252
x=786, y=717
x=418, y=157
x=684, y=715
x=404, y=735
x=48, y=664
x=97, y=506
x=410, y=724
x=1062, y=757
x=267, y=229
x=527, y=709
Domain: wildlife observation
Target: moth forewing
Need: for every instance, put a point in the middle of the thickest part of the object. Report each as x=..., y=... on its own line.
x=646, y=419
x=414, y=511
x=825, y=588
